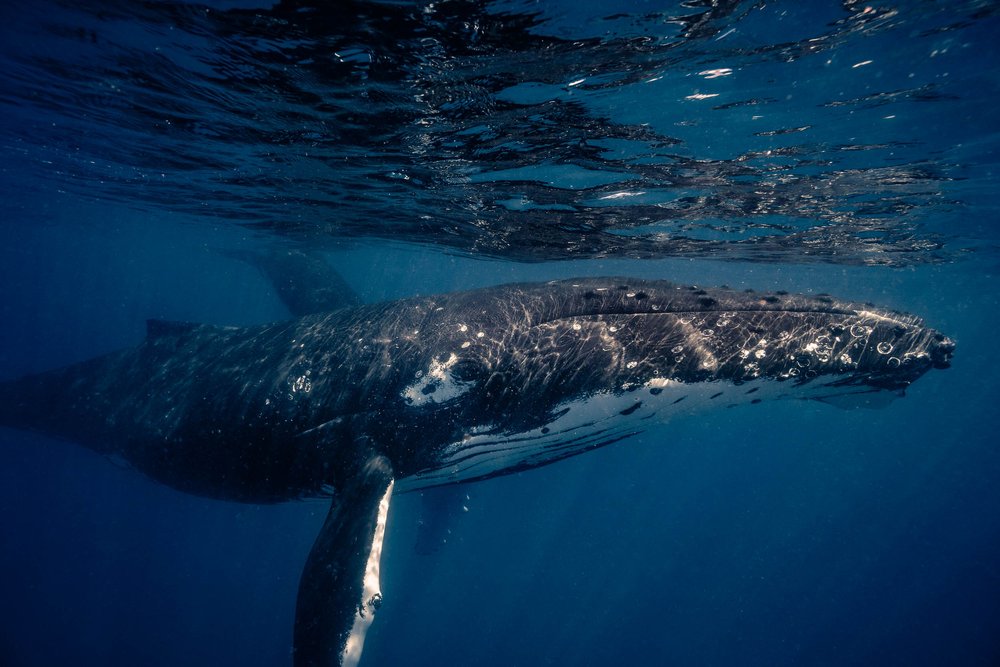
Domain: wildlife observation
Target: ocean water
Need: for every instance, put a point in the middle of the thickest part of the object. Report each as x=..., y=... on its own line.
x=849, y=148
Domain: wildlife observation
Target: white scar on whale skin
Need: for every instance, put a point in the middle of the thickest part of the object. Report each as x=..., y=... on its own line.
x=371, y=590
x=436, y=384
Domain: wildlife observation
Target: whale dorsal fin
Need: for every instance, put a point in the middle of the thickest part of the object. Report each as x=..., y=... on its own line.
x=339, y=589
x=305, y=282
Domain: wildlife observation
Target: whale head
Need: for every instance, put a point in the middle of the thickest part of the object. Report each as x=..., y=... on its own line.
x=523, y=375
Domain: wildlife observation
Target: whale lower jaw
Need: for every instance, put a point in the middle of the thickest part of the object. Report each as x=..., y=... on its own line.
x=605, y=418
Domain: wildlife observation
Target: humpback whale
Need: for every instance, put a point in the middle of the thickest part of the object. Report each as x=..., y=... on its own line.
x=364, y=401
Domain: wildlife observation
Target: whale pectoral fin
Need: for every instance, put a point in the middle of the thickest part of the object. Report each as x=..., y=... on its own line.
x=339, y=588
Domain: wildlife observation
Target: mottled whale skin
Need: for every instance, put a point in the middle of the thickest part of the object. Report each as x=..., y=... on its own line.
x=441, y=389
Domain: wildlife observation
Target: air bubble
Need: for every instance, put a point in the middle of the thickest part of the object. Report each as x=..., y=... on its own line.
x=677, y=349
x=884, y=347
x=893, y=362
x=859, y=331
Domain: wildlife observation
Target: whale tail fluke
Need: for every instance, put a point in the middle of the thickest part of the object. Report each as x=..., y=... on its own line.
x=305, y=282
x=65, y=402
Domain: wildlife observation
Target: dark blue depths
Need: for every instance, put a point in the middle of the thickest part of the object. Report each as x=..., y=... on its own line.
x=774, y=534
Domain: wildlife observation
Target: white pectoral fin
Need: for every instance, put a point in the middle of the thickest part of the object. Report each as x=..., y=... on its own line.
x=339, y=589
x=371, y=595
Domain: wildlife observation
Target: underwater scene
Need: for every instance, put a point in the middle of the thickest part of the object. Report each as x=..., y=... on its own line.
x=556, y=333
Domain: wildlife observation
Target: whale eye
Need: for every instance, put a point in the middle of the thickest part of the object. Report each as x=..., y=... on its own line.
x=465, y=370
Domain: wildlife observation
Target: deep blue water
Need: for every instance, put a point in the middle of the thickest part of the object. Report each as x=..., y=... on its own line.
x=802, y=146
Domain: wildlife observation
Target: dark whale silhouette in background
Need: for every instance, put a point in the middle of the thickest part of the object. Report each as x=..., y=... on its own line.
x=356, y=402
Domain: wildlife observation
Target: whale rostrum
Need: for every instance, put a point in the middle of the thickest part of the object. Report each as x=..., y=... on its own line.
x=367, y=400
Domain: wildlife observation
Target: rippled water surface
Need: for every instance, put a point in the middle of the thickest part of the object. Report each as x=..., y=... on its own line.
x=744, y=130
x=421, y=147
